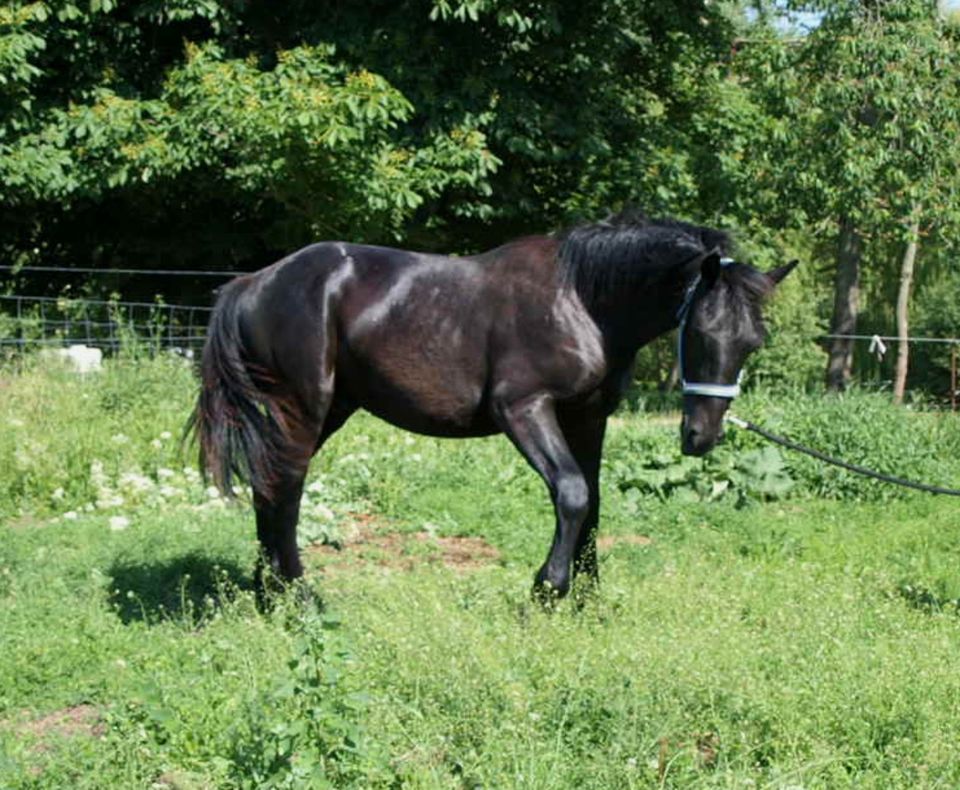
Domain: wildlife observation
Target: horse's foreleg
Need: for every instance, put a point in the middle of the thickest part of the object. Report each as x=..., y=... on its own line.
x=585, y=437
x=533, y=428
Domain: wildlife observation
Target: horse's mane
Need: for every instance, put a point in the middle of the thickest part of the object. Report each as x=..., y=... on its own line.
x=600, y=258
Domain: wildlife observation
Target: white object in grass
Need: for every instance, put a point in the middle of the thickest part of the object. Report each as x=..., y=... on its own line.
x=78, y=358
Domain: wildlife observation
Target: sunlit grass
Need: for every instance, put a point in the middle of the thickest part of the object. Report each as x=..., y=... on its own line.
x=801, y=643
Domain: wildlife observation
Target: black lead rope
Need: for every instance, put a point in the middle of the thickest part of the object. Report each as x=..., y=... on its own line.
x=860, y=470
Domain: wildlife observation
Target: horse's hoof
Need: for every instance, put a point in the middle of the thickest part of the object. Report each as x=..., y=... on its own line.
x=547, y=593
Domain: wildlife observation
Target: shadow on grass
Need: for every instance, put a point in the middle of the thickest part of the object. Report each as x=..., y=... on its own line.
x=189, y=587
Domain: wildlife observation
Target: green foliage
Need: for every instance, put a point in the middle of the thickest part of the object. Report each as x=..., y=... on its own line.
x=799, y=641
x=861, y=428
x=102, y=440
x=872, y=85
x=368, y=123
x=306, y=730
x=937, y=315
x=791, y=357
x=196, y=109
x=298, y=133
x=653, y=465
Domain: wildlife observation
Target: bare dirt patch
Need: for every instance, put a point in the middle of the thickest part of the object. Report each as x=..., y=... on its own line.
x=607, y=542
x=25, y=522
x=372, y=542
x=65, y=723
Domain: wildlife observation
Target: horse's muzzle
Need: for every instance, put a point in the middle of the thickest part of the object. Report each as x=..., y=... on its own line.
x=696, y=438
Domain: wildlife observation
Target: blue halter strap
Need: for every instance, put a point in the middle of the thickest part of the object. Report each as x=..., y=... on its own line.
x=711, y=390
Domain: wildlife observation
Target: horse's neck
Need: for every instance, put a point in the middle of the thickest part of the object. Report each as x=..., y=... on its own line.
x=632, y=318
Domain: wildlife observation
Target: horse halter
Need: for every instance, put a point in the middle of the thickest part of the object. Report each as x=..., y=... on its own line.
x=711, y=390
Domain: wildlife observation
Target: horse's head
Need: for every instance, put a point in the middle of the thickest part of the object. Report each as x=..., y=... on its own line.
x=720, y=326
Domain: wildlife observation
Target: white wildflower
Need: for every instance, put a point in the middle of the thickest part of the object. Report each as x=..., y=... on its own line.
x=120, y=438
x=70, y=515
x=212, y=492
x=156, y=444
x=118, y=523
x=321, y=511
x=165, y=474
x=136, y=482
x=97, y=476
x=58, y=494
x=166, y=435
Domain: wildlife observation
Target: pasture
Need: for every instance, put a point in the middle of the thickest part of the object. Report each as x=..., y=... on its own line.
x=785, y=634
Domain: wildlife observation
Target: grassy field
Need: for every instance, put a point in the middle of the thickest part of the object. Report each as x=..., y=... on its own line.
x=798, y=643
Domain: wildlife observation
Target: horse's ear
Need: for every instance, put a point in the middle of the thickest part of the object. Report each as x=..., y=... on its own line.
x=710, y=267
x=780, y=272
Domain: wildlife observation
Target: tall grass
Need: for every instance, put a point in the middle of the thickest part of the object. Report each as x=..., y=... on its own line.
x=802, y=642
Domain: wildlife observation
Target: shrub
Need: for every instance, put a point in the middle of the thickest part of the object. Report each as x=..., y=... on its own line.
x=654, y=466
x=862, y=428
x=858, y=427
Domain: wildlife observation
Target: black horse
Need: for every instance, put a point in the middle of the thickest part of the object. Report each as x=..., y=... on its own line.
x=534, y=339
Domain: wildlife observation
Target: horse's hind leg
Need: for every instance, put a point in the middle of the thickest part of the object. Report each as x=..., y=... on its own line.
x=277, y=516
x=277, y=532
x=278, y=512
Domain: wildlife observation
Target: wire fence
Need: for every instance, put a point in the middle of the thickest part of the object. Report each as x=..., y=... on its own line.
x=36, y=321
x=28, y=322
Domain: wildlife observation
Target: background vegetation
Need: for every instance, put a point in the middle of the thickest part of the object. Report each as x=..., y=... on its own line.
x=763, y=620
x=224, y=133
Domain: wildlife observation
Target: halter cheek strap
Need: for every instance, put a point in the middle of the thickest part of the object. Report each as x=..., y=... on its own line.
x=710, y=390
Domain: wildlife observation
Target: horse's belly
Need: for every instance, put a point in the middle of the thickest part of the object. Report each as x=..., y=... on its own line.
x=433, y=424
x=433, y=397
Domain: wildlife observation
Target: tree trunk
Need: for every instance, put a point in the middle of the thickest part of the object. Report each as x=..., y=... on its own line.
x=673, y=378
x=846, y=305
x=903, y=310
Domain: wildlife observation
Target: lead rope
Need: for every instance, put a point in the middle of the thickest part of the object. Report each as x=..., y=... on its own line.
x=860, y=470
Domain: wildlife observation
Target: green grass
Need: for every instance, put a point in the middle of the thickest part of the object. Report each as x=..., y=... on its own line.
x=803, y=643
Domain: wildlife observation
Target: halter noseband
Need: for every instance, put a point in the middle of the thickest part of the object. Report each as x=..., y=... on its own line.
x=729, y=391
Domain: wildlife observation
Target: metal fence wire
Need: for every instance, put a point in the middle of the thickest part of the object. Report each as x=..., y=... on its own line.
x=28, y=322
x=36, y=321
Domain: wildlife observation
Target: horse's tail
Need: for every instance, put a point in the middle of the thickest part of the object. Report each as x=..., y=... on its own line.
x=242, y=427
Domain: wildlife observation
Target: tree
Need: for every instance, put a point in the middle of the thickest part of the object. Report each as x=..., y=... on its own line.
x=869, y=108
x=163, y=131
x=109, y=115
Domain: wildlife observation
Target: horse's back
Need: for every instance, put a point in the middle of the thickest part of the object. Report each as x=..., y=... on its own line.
x=424, y=341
